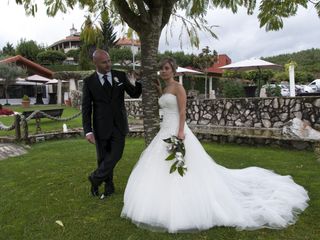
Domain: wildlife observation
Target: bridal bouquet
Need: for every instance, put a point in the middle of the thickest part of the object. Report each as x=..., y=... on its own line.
x=177, y=152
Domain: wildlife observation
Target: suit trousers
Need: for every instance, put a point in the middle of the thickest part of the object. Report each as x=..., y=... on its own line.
x=109, y=152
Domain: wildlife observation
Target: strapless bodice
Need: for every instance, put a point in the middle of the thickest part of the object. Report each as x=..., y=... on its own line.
x=168, y=103
x=170, y=112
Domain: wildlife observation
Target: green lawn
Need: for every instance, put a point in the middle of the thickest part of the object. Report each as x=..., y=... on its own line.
x=50, y=183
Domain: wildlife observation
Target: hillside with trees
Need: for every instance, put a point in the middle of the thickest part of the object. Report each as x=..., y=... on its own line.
x=307, y=61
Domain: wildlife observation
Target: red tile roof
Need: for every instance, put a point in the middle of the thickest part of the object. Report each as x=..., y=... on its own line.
x=34, y=67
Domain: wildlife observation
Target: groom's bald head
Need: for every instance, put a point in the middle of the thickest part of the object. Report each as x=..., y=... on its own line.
x=102, y=61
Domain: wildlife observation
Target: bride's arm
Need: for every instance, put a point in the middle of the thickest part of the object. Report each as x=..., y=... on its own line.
x=182, y=102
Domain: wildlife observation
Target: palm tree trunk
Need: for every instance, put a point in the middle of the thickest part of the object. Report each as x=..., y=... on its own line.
x=149, y=50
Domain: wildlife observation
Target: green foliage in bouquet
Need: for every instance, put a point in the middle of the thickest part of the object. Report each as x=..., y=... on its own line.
x=177, y=151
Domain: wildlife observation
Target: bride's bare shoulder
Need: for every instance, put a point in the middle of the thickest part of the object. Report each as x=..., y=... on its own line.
x=180, y=89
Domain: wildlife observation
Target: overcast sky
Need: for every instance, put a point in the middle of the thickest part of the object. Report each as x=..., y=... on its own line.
x=239, y=34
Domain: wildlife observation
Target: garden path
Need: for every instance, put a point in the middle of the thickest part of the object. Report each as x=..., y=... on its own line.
x=11, y=150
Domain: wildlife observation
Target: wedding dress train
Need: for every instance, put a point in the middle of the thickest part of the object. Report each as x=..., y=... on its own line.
x=208, y=194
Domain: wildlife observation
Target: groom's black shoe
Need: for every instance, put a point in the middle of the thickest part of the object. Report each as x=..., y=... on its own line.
x=109, y=190
x=94, y=189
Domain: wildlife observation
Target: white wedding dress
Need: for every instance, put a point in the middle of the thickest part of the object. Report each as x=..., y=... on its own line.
x=208, y=194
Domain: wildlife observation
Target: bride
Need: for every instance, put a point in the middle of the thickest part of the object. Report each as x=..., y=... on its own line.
x=208, y=194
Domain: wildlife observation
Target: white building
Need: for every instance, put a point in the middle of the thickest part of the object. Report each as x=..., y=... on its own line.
x=70, y=42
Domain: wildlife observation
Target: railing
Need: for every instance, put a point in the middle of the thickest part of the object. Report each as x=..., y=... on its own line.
x=37, y=115
x=21, y=123
x=15, y=125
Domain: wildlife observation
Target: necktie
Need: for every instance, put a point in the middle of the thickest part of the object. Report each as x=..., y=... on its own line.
x=106, y=80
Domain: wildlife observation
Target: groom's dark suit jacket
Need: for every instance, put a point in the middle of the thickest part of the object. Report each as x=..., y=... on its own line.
x=103, y=106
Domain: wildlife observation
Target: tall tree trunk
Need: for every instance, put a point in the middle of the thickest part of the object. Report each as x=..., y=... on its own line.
x=152, y=17
x=149, y=50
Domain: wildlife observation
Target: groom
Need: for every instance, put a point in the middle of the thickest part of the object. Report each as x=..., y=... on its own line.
x=104, y=118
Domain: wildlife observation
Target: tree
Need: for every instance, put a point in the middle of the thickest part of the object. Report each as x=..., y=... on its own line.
x=109, y=37
x=9, y=74
x=256, y=76
x=74, y=53
x=8, y=49
x=94, y=37
x=28, y=49
x=307, y=60
x=182, y=59
x=121, y=55
x=205, y=60
x=232, y=89
x=90, y=36
x=148, y=18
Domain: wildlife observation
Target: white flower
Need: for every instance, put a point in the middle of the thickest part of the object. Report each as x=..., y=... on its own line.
x=179, y=155
x=116, y=79
x=175, y=140
x=180, y=164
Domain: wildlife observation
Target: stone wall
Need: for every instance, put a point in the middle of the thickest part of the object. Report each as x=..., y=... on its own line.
x=246, y=112
x=134, y=107
x=254, y=112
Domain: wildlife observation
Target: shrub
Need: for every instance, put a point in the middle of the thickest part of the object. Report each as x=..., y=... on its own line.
x=75, y=98
x=232, y=89
x=25, y=98
x=273, y=91
x=51, y=57
x=74, y=53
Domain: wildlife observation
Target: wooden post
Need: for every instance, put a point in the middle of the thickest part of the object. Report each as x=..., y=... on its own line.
x=25, y=130
x=17, y=120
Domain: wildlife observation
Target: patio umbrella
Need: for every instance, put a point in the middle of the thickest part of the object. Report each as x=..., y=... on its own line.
x=54, y=81
x=181, y=71
x=21, y=81
x=251, y=64
x=187, y=70
x=38, y=79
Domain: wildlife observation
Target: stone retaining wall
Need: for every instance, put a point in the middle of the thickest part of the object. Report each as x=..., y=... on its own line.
x=246, y=112
x=254, y=112
x=134, y=107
